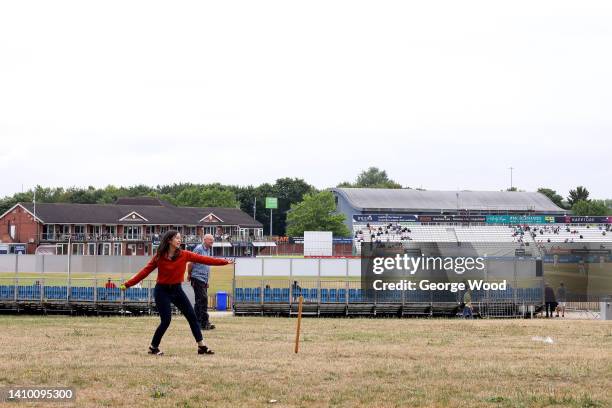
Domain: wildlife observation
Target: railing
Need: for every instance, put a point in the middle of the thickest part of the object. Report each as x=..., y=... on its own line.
x=92, y=291
x=188, y=239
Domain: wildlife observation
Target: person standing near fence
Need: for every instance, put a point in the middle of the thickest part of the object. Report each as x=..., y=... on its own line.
x=170, y=262
x=198, y=276
x=549, y=299
x=467, y=308
x=562, y=299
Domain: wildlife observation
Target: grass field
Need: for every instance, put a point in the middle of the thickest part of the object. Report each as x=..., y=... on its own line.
x=342, y=362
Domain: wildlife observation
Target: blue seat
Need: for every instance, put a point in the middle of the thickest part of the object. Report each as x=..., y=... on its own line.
x=239, y=295
x=267, y=295
x=324, y=296
x=333, y=295
x=248, y=295
x=309, y=295
x=276, y=295
x=285, y=295
x=341, y=295
x=28, y=292
x=55, y=292
x=257, y=295
x=81, y=293
x=135, y=294
x=7, y=292
x=313, y=294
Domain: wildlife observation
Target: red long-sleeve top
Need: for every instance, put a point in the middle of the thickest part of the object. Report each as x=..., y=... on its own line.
x=172, y=272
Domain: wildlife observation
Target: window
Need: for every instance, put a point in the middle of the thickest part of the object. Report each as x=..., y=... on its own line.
x=48, y=232
x=104, y=249
x=97, y=230
x=77, y=249
x=91, y=249
x=64, y=230
x=111, y=232
x=117, y=249
x=79, y=229
x=132, y=232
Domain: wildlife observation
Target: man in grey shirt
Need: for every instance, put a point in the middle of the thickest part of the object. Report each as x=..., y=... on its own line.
x=199, y=274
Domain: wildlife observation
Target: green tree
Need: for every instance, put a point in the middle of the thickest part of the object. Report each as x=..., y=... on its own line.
x=288, y=191
x=592, y=207
x=372, y=178
x=552, y=194
x=214, y=196
x=580, y=193
x=317, y=212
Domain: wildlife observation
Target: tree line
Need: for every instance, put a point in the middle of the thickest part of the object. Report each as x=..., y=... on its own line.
x=301, y=206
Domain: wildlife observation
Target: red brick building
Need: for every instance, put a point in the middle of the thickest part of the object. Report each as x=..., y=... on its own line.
x=131, y=226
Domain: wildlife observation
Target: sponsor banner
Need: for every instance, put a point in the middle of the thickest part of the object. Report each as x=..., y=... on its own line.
x=488, y=219
x=573, y=219
x=384, y=218
x=19, y=248
x=519, y=219
x=452, y=218
x=300, y=240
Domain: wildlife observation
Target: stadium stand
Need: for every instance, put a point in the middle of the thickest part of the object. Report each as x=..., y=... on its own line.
x=551, y=233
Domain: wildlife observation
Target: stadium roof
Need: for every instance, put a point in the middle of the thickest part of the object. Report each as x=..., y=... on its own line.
x=408, y=200
x=139, y=214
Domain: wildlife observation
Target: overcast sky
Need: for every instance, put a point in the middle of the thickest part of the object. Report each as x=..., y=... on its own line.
x=443, y=95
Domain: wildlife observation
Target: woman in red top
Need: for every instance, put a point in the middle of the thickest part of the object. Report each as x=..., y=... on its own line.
x=170, y=262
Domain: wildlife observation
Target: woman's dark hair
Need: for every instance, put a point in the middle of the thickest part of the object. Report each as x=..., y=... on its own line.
x=164, y=245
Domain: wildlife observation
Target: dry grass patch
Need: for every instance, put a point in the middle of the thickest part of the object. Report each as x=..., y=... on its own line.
x=343, y=362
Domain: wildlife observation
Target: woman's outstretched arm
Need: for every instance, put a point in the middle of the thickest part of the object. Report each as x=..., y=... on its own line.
x=206, y=260
x=143, y=273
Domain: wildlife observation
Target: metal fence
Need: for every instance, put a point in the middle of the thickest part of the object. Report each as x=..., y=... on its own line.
x=78, y=283
x=333, y=286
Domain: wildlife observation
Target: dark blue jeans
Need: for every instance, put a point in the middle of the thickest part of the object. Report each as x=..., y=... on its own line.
x=164, y=296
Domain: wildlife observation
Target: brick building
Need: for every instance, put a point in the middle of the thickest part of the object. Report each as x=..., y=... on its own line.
x=130, y=226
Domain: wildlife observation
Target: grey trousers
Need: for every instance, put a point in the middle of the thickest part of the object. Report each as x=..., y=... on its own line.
x=200, y=290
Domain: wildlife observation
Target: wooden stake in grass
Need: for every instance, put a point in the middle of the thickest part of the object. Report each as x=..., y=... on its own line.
x=299, y=323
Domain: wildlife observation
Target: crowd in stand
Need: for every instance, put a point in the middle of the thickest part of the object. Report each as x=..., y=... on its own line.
x=394, y=232
x=383, y=233
x=539, y=233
